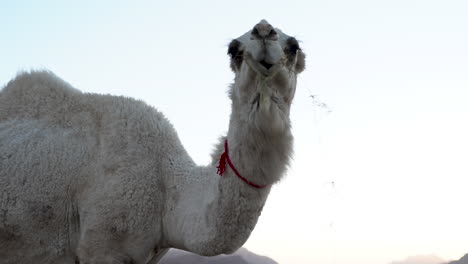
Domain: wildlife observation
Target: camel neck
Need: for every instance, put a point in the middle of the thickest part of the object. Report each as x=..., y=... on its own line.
x=259, y=157
x=221, y=218
x=225, y=160
x=223, y=214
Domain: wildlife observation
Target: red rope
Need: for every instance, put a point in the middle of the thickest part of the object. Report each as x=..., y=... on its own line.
x=222, y=167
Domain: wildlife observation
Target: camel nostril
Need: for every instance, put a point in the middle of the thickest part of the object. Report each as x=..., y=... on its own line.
x=255, y=32
x=266, y=64
x=263, y=31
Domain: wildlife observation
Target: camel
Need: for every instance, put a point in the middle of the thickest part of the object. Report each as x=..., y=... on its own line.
x=100, y=179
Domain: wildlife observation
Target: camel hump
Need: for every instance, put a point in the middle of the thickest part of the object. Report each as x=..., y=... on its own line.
x=32, y=95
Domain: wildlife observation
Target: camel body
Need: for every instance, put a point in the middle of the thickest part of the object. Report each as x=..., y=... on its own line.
x=100, y=179
x=68, y=158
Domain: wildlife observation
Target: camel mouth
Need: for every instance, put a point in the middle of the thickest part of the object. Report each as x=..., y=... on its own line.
x=262, y=67
x=266, y=64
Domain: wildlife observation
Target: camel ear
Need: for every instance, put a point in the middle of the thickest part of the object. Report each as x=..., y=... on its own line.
x=234, y=50
x=294, y=51
x=300, y=64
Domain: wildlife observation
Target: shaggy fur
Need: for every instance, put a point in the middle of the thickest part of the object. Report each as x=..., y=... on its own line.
x=100, y=179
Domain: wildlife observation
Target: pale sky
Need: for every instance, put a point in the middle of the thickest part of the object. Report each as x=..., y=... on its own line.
x=382, y=176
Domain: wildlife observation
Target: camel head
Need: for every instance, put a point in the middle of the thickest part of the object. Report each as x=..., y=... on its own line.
x=266, y=63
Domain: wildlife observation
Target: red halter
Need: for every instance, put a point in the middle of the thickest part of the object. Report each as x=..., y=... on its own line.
x=222, y=167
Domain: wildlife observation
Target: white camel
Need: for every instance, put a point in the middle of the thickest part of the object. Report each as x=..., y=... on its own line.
x=100, y=179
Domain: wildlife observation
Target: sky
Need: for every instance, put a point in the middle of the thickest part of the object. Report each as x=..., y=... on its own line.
x=378, y=175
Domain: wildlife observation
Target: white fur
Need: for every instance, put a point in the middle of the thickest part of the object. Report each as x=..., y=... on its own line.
x=104, y=179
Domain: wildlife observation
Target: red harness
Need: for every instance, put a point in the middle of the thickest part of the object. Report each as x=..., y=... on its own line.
x=222, y=167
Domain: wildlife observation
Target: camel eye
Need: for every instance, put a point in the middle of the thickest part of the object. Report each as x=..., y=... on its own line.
x=292, y=46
